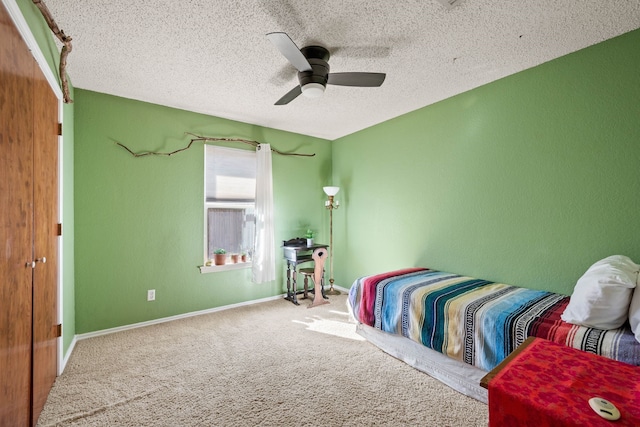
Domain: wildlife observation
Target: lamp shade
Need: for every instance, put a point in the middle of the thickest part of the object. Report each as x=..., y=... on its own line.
x=331, y=191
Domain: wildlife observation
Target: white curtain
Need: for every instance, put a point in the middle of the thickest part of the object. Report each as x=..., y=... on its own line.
x=264, y=258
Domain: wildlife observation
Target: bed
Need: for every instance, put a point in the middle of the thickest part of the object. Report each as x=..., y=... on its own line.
x=456, y=328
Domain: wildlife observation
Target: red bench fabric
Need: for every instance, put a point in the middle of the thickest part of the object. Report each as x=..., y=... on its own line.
x=549, y=384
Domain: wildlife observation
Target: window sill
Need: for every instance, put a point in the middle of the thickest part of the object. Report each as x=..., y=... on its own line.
x=226, y=267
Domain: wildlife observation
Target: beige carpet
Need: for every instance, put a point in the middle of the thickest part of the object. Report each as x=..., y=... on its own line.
x=268, y=364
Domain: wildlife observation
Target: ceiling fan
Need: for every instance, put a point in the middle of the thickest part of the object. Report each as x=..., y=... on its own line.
x=313, y=70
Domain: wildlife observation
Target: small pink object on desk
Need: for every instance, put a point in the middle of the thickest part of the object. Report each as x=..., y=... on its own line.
x=548, y=384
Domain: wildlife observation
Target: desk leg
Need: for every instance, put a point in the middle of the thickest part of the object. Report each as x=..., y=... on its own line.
x=291, y=277
x=288, y=297
x=295, y=287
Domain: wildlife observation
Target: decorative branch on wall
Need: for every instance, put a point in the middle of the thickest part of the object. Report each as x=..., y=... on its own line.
x=66, y=48
x=197, y=138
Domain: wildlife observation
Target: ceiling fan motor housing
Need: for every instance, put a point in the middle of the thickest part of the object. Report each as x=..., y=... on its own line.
x=312, y=63
x=317, y=57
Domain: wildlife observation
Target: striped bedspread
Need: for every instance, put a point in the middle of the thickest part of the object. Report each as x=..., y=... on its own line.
x=476, y=321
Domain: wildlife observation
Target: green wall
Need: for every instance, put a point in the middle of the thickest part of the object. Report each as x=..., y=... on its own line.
x=527, y=180
x=139, y=221
x=44, y=38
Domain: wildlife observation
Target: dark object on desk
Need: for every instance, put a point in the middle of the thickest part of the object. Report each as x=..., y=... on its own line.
x=296, y=241
x=297, y=252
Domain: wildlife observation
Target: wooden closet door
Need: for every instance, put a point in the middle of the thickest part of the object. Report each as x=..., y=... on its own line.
x=45, y=275
x=16, y=229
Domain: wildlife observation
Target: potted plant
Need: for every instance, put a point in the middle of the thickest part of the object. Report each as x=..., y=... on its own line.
x=220, y=256
x=243, y=256
x=234, y=258
x=309, y=236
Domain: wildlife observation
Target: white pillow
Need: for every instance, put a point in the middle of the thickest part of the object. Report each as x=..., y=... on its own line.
x=602, y=295
x=634, y=313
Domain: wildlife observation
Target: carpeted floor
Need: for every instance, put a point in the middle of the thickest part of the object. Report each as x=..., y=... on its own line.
x=268, y=364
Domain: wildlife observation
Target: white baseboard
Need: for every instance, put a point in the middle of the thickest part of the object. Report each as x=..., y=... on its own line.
x=65, y=358
x=171, y=318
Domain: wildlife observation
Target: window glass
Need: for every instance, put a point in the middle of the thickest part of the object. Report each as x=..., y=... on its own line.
x=230, y=186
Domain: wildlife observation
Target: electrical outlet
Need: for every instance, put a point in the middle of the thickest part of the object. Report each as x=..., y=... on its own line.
x=151, y=295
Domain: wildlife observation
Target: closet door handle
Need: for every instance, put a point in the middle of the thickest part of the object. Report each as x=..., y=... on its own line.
x=31, y=264
x=42, y=260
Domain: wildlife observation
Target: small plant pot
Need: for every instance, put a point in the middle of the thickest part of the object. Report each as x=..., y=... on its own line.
x=234, y=258
x=220, y=259
x=243, y=258
x=309, y=242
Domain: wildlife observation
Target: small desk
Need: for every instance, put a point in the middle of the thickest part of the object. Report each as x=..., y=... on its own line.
x=297, y=255
x=549, y=384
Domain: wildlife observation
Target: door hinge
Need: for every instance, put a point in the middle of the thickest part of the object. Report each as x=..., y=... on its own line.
x=58, y=330
x=59, y=229
x=59, y=129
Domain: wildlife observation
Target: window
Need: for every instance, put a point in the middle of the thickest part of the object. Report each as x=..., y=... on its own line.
x=230, y=189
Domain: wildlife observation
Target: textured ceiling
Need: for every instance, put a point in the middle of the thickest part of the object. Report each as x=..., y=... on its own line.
x=212, y=56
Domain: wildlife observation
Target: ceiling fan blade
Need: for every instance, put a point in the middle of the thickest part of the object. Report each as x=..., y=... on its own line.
x=290, y=96
x=288, y=48
x=356, y=79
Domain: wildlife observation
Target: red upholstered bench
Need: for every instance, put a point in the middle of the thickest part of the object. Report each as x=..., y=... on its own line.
x=547, y=384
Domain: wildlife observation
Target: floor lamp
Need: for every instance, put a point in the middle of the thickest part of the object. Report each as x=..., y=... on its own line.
x=331, y=205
